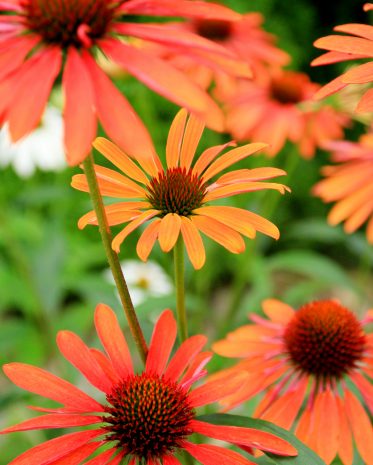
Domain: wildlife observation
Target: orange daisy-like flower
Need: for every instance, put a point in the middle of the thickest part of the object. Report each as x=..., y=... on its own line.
x=343, y=48
x=319, y=356
x=349, y=184
x=147, y=417
x=41, y=38
x=176, y=197
x=281, y=108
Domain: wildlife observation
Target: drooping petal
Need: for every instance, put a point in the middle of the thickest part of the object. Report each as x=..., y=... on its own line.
x=39, y=381
x=147, y=239
x=183, y=356
x=119, y=238
x=193, y=132
x=79, y=355
x=78, y=87
x=120, y=121
x=216, y=390
x=113, y=340
x=169, y=230
x=193, y=243
x=209, y=454
x=53, y=421
x=116, y=213
x=54, y=449
x=175, y=138
x=161, y=344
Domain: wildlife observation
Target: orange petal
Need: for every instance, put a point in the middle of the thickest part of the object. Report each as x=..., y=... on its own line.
x=183, y=356
x=147, y=239
x=366, y=102
x=169, y=230
x=361, y=30
x=208, y=454
x=115, y=214
x=175, y=138
x=345, y=44
x=244, y=175
x=192, y=136
x=108, y=187
x=193, y=243
x=333, y=86
x=220, y=233
x=326, y=427
x=209, y=155
x=112, y=339
x=346, y=449
x=229, y=190
x=359, y=74
x=278, y=311
x=332, y=57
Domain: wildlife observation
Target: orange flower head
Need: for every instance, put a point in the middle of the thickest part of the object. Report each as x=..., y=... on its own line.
x=42, y=39
x=145, y=418
x=177, y=198
x=301, y=361
x=349, y=184
x=280, y=108
x=358, y=45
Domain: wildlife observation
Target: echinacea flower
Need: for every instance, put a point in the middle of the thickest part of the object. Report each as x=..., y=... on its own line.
x=176, y=198
x=357, y=45
x=280, y=108
x=39, y=39
x=315, y=366
x=349, y=184
x=145, y=417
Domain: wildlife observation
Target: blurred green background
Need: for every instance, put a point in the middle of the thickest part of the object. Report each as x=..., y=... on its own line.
x=52, y=275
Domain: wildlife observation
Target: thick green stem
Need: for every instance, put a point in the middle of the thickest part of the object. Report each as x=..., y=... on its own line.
x=180, y=289
x=113, y=257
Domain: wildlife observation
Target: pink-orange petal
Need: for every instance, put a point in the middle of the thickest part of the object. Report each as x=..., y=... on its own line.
x=54, y=449
x=216, y=390
x=366, y=102
x=53, y=420
x=220, y=233
x=346, y=44
x=78, y=87
x=359, y=74
x=183, y=356
x=193, y=243
x=14, y=51
x=161, y=344
x=196, y=369
x=43, y=383
x=106, y=365
x=112, y=339
x=169, y=230
x=327, y=428
x=333, y=86
x=147, y=239
x=79, y=355
x=122, y=161
x=278, y=311
x=193, y=132
x=175, y=138
x=360, y=30
x=346, y=448
x=209, y=454
x=332, y=57
x=119, y=238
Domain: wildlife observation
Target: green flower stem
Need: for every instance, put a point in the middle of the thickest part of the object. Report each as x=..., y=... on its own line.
x=113, y=257
x=180, y=289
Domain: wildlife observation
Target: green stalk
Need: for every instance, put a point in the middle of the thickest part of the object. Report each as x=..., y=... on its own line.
x=112, y=257
x=180, y=289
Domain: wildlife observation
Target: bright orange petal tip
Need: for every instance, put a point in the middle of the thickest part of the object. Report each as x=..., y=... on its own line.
x=368, y=6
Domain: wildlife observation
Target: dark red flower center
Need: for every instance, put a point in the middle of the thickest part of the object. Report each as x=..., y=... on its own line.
x=214, y=29
x=69, y=22
x=148, y=416
x=324, y=339
x=176, y=191
x=286, y=89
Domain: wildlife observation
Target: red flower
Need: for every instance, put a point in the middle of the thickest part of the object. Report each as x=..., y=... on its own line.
x=147, y=417
x=40, y=38
x=320, y=355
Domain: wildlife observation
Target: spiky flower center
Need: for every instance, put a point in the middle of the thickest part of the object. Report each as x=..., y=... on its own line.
x=324, y=339
x=148, y=416
x=177, y=190
x=287, y=90
x=213, y=29
x=69, y=22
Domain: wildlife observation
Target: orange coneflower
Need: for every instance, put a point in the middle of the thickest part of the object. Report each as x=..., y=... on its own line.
x=41, y=38
x=147, y=418
x=358, y=45
x=318, y=358
x=280, y=108
x=176, y=198
x=349, y=184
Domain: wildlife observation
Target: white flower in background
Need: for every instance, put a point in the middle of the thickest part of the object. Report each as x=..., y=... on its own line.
x=144, y=280
x=43, y=148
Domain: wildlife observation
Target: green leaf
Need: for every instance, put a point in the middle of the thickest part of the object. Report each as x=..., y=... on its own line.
x=305, y=455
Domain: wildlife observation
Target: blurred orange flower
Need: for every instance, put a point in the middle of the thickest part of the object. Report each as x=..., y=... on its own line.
x=349, y=184
x=176, y=198
x=307, y=356
x=281, y=108
x=146, y=418
x=358, y=45
x=41, y=38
